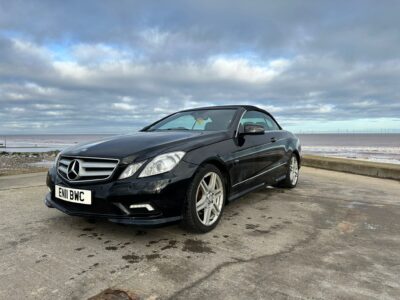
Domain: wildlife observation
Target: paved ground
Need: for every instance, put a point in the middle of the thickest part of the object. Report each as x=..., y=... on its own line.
x=335, y=236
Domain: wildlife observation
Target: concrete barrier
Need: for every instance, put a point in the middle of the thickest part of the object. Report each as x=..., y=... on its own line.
x=380, y=170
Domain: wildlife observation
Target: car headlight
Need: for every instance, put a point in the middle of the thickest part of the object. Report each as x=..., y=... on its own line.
x=162, y=163
x=130, y=170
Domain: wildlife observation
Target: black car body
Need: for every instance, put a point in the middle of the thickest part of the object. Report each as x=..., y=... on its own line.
x=248, y=156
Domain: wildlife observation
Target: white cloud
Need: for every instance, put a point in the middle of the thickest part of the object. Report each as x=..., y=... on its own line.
x=99, y=53
x=71, y=70
x=16, y=109
x=40, y=90
x=325, y=108
x=125, y=99
x=123, y=106
x=271, y=108
x=154, y=36
x=29, y=48
x=364, y=104
x=54, y=113
x=241, y=69
x=50, y=106
x=162, y=110
x=16, y=96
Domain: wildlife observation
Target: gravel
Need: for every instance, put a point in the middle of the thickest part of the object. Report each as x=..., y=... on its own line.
x=12, y=163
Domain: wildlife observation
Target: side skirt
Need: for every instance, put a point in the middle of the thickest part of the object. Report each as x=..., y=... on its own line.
x=280, y=178
x=242, y=193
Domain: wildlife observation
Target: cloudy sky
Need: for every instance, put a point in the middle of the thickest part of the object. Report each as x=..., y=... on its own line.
x=114, y=66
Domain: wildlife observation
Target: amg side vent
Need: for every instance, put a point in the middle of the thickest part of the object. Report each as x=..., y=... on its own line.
x=80, y=169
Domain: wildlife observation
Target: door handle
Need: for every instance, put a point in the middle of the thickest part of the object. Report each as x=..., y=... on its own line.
x=273, y=140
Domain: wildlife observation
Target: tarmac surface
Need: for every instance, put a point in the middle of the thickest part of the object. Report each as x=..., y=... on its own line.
x=335, y=236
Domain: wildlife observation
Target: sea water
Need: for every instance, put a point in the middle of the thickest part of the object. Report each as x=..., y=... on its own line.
x=372, y=147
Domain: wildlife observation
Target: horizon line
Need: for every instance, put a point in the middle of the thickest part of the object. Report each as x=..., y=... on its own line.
x=119, y=133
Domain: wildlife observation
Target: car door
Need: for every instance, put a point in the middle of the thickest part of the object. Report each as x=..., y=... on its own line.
x=255, y=156
x=277, y=151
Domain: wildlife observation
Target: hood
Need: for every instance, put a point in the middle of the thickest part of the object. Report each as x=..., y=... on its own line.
x=145, y=144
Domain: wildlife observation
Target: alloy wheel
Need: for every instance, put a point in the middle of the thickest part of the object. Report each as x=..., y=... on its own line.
x=293, y=170
x=209, y=198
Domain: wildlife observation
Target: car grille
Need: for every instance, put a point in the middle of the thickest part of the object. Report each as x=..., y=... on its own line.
x=86, y=168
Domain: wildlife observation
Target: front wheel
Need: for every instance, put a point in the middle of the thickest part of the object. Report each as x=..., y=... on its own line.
x=292, y=173
x=205, y=200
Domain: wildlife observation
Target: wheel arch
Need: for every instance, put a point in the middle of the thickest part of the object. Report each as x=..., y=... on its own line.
x=296, y=152
x=224, y=170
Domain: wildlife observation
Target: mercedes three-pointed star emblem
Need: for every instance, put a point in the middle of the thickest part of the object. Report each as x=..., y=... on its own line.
x=73, y=170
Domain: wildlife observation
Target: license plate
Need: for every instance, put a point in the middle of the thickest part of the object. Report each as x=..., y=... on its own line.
x=73, y=195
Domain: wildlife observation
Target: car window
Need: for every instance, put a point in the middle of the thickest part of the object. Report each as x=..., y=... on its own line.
x=271, y=123
x=259, y=118
x=184, y=122
x=202, y=120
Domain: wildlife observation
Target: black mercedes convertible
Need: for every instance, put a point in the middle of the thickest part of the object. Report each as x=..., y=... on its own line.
x=184, y=167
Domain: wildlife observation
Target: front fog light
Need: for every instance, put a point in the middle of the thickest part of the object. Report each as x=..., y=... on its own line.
x=130, y=170
x=146, y=206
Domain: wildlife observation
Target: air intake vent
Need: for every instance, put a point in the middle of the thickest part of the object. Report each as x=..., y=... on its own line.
x=79, y=169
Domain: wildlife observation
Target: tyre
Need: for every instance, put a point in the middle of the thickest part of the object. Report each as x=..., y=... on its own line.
x=205, y=200
x=292, y=174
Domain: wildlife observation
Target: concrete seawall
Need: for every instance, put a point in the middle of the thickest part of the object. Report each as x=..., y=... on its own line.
x=380, y=170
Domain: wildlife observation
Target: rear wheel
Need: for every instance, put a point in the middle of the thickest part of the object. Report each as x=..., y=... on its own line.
x=205, y=200
x=292, y=173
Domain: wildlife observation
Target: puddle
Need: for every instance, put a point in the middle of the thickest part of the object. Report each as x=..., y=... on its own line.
x=196, y=246
x=131, y=258
x=171, y=245
x=358, y=204
x=112, y=294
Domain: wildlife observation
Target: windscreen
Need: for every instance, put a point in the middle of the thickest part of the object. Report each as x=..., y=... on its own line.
x=197, y=120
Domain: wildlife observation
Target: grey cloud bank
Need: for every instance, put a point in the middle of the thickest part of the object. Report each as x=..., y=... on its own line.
x=101, y=66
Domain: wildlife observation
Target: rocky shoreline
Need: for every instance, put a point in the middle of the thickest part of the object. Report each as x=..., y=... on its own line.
x=13, y=163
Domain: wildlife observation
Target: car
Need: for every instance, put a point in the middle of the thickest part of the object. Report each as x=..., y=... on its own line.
x=183, y=168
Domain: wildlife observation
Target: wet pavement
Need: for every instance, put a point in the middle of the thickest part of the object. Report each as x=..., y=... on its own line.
x=335, y=236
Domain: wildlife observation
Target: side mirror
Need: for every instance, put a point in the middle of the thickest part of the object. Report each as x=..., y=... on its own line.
x=253, y=129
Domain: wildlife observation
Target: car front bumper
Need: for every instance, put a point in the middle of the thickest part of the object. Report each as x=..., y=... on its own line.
x=112, y=200
x=115, y=218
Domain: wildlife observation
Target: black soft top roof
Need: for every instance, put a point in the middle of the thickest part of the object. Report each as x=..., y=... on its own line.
x=248, y=107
